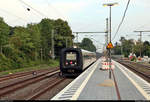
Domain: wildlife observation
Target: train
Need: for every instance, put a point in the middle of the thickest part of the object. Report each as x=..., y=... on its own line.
x=73, y=61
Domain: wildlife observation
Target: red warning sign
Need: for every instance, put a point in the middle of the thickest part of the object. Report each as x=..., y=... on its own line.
x=110, y=46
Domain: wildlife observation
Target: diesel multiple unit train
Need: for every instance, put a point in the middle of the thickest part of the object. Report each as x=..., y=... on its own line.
x=74, y=60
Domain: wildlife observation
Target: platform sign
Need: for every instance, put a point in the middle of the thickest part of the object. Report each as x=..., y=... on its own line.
x=110, y=46
x=106, y=65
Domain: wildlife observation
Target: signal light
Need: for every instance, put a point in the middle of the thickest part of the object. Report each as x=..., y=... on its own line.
x=70, y=62
x=66, y=63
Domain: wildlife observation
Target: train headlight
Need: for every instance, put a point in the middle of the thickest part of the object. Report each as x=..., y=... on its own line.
x=66, y=63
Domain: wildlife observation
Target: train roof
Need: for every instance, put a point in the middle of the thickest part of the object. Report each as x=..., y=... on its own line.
x=82, y=50
x=87, y=51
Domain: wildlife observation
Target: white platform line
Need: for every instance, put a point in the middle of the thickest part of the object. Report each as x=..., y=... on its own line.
x=134, y=83
x=74, y=82
x=78, y=92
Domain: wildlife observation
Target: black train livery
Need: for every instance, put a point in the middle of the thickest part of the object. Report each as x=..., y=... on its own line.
x=74, y=60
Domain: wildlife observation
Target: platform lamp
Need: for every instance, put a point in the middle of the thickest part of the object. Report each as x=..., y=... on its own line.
x=110, y=5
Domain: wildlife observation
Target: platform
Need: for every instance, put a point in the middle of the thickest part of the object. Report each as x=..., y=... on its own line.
x=94, y=84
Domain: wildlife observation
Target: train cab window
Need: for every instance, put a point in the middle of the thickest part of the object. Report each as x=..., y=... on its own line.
x=71, y=59
x=70, y=56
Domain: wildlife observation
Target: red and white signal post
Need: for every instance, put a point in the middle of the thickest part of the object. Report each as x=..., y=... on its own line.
x=106, y=65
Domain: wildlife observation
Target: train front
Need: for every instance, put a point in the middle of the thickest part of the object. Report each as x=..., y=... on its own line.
x=71, y=62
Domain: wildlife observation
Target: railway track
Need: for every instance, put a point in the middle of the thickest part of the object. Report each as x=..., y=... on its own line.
x=10, y=88
x=137, y=68
x=137, y=64
x=21, y=74
x=48, y=87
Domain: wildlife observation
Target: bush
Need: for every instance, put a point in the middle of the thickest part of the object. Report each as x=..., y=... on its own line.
x=5, y=63
x=133, y=58
x=53, y=62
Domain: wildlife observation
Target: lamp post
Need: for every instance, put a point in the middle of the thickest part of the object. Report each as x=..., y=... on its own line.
x=110, y=5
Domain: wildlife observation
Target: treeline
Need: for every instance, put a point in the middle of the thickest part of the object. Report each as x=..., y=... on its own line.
x=130, y=46
x=87, y=44
x=26, y=46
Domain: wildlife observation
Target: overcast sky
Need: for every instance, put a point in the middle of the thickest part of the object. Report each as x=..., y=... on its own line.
x=82, y=15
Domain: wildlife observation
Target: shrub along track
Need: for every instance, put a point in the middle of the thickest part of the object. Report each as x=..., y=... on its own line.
x=141, y=70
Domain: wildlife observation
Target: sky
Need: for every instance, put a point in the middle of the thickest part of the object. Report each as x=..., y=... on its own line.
x=82, y=15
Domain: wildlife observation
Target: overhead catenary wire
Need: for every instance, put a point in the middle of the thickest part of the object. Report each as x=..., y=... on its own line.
x=13, y=14
x=87, y=25
x=58, y=12
x=20, y=18
x=27, y=8
x=40, y=13
x=143, y=25
x=122, y=19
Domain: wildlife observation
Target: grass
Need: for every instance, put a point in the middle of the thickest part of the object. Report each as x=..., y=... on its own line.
x=47, y=65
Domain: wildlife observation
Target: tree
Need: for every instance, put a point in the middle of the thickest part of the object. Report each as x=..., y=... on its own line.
x=35, y=35
x=23, y=46
x=4, y=34
x=136, y=49
x=127, y=46
x=146, y=48
x=117, y=50
x=63, y=35
x=87, y=44
x=46, y=26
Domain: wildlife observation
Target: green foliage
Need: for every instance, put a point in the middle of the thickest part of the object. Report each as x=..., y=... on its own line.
x=46, y=32
x=128, y=46
x=117, y=50
x=87, y=44
x=133, y=58
x=37, y=66
x=5, y=63
x=26, y=46
x=146, y=48
x=136, y=49
x=4, y=34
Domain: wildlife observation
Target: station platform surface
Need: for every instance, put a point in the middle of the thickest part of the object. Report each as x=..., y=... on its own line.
x=95, y=84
